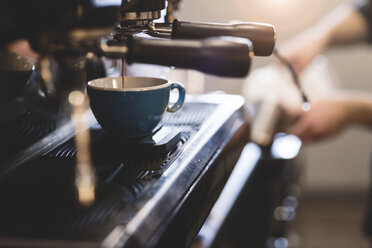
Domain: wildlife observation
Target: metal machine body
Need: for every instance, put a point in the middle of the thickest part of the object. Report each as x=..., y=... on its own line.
x=171, y=193
x=155, y=193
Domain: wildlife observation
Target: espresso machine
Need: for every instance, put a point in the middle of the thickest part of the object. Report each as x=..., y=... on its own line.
x=154, y=192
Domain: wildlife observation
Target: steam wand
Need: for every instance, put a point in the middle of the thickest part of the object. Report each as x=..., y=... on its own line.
x=289, y=66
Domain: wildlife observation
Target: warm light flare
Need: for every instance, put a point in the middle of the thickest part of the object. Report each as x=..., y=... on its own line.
x=85, y=173
x=86, y=189
x=76, y=98
x=280, y=1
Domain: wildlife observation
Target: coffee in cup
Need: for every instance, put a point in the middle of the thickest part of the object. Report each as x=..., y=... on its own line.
x=133, y=111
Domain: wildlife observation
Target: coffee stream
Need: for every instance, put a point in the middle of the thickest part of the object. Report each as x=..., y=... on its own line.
x=122, y=73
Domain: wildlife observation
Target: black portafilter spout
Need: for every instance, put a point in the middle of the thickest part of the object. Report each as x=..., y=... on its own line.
x=221, y=56
x=261, y=35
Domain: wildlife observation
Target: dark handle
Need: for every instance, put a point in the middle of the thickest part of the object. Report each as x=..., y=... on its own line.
x=222, y=57
x=262, y=35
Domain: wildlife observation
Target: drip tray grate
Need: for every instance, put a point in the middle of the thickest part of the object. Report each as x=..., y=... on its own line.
x=42, y=191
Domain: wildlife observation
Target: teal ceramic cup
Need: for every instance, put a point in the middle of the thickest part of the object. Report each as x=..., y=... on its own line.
x=136, y=110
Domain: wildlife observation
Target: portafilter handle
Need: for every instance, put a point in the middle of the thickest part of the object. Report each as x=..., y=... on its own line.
x=262, y=35
x=223, y=56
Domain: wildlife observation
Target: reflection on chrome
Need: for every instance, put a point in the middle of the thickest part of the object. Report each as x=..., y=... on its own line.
x=285, y=146
x=290, y=201
x=306, y=106
x=281, y=243
x=284, y=213
x=85, y=174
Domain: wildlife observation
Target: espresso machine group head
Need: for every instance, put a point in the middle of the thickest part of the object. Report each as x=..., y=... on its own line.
x=137, y=16
x=72, y=29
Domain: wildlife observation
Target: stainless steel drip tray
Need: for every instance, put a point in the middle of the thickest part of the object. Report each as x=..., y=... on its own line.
x=137, y=193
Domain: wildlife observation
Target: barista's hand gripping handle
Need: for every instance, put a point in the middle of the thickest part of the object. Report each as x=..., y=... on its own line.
x=262, y=35
x=223, y=57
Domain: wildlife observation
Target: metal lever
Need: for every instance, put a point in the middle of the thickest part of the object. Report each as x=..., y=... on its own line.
x=262, y=35
x=223, y=56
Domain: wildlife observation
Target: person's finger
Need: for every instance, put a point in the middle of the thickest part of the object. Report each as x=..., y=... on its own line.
x=293, y=115
x=293, y=112
x=318, y=137
x=303, y=128
x=298, y=128
x=299, y=68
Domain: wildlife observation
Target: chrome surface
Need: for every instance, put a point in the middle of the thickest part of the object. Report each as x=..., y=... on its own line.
x=160, y=201
x=229, y=195
x=141, y=221
x=44, y=146
x=150, y=15
x=89, y=33
x=161, y=30
x=113, y=51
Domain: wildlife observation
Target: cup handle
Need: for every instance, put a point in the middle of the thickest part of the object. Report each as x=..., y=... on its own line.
x=181, y=97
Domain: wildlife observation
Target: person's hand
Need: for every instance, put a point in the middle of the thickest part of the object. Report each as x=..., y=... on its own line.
x=302, y=49
x=324, y=119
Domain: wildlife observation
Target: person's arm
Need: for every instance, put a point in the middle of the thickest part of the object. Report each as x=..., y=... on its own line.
x=344, y=25
x=359, y=107
x=330, y=116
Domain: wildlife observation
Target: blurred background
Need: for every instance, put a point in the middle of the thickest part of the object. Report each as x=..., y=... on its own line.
x=335, y=177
